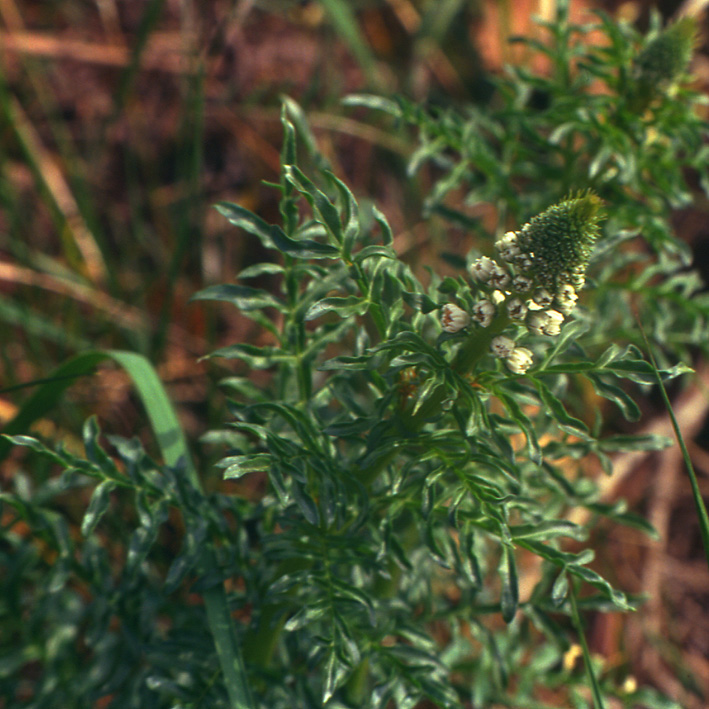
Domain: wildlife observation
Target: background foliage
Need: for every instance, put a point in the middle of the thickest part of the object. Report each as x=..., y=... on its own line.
x=475, y=170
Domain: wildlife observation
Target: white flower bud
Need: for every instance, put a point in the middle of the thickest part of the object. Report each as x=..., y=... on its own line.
x=545, y=322
x=507, y=246
x=516, y=308
x=510, y=237
x=553, y=323
x=497, y=297
x=566, y=299
x=453, y=318
x=521, y=284
x=565, y=306
x=567, y=291
x=543, y=297
x=499, y=278
x=536, y=321
x=502, y=346
x=483, y=312
x=520, y=360
x=483, y=268
x=524, y=262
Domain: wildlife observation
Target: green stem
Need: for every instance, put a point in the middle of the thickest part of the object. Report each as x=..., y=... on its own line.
x=576, y=619
x=409, y=423
x=260, y=642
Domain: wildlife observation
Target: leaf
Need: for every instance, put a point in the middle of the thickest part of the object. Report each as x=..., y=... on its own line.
x=350, y=216
x=351, y=363
x=378, y=103
x=309, y=613
x=306, y=504
x=335, y=673
x=246, y=220
x=239, y=465
x=522, y=420
x=37, y=446
x=242, y=297
x=295, y=112
x=617, y=395
x=302, y=248
x=560, y=588
x=254, y=356
x=509, y=598
x=629, y=442
x=344, y=307
x=100, y=499
x=260, y=269
x=420, y=301
x=565, y=421
x=373, y=250
x=549, y=529
x=272, y=236
x=597, y=581
x=349, y=428
x=426, y=392
x=599, y=161
x=387, y=236
x=320, y=202
x=556, y=557
x=95, y=453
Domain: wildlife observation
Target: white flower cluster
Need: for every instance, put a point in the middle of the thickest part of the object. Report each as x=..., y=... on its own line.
x=510, y=280
x=517, y=359
x=532, y=281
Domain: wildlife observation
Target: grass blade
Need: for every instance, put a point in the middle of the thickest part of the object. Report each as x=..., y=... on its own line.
x=48, y=394
x=345, y=23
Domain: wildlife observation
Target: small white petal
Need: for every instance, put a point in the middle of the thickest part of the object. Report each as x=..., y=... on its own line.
x=483, y=268
x=552, y=326
x=543, y=297
x=484, y=312
x=499, y=278
x=565, y=306
x=545, y=322
x=536, y=321
x=507, y=246
x=567, y=291
x=453, y=318
x=521, y=283
x=516, y=308
x=520, y=360
x=502, y=346
x=524, y=262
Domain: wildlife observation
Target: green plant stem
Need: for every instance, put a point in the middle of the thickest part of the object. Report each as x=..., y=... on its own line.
x=356, y=686
x=410, y=422
x=696, y=491
x=473, y=349
x=576, y=619
x=260, y=642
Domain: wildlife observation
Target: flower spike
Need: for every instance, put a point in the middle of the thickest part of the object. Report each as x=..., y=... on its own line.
x=559, y=241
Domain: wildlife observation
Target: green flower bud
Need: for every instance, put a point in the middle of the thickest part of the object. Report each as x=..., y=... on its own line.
x=664, y=59
x=558, y=242
x=661, y=63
